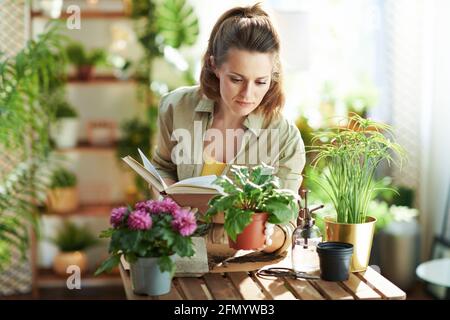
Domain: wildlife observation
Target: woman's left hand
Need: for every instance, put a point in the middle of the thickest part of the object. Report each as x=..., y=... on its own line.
x=275, y=237
x=268, y=232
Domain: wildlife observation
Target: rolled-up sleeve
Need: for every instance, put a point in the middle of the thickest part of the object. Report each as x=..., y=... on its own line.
x=164, y=145
x=292, y=160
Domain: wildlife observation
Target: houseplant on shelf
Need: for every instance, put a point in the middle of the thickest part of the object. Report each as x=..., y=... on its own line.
x=83, y=60
x=352, y=156
x=63, y=194
x=65, y=129
x=252, y=198
x=72, y=240
x=149, y=236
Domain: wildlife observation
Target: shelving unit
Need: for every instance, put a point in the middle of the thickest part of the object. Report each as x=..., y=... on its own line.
x=99, y=210
x=86, y=15
x=101, y=79
x=84, y=146
x=104, y=96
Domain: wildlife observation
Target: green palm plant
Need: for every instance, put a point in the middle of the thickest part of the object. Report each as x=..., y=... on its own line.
x=26, y=82
x=352, y=155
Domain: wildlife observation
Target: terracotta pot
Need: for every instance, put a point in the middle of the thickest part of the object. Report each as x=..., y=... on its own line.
x=360, y=235
x=65, y=259
x=62, y=200
x=252, y=238
x=85, y=72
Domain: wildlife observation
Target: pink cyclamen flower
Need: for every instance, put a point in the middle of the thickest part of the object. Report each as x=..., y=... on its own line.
x=117, y=215
x=184, y=222
x=139, y=220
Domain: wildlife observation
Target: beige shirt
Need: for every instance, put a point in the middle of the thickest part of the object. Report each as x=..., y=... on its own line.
x=183, y=112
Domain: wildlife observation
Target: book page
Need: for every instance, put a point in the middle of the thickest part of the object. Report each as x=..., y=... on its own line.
x=197, y=185
x=144, y=173
x=149, y=166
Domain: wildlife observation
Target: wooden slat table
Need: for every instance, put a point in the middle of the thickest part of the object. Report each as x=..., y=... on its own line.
x=367, y=285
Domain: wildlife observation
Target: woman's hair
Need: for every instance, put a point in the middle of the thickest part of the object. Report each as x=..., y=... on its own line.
x=250, y=29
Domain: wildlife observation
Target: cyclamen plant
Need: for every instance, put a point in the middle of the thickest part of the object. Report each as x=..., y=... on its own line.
x=154, y=228
x=251, y=191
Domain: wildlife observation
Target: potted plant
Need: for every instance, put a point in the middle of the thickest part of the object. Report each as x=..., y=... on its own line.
x=65, y=129
x=252, y=198
x=352, y=156
x=85, y=61
x=63, y=194
x=72, y=241
x=149, y=236
x=51, y=8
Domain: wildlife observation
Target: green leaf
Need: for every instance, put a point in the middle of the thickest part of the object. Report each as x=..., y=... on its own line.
x=129, y=239
x=177, y=23
x=106, y=233
x=280, y=213
x=108, y=264
x=166, y=264
x=236, y=220
x=220, y=204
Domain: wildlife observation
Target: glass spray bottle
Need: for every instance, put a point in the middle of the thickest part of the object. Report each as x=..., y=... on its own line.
x=305, y=239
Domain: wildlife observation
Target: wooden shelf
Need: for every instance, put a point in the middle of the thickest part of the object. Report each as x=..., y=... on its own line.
x=84, y=146
x=100, y=79
x=47, y=278
x=86, y=14
x=97, y=210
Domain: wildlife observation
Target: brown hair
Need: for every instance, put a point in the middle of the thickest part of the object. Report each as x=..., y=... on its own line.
x=244, y=28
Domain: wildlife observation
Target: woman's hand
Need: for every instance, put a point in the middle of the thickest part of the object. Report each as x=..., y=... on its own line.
x=155, y=194
x=275, y=237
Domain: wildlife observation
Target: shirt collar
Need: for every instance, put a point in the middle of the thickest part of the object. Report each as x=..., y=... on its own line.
x=254, y=121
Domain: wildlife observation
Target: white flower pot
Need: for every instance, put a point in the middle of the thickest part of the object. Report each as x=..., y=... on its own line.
x=147, y=278
x=51, y=8
x=65, y=132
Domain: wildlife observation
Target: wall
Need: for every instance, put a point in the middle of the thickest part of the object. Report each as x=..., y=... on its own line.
x=435, y=149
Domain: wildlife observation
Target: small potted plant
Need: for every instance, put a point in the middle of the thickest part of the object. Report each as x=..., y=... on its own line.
x=149, y=236
x=65, y=129
x=72, y=240
x=85, y=61
x=63, y=194
x=251, y=198
x=351, y=156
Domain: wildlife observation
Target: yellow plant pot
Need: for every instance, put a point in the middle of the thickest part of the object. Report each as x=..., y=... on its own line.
x=360, y=235
x=65, y=259
x=63, y=200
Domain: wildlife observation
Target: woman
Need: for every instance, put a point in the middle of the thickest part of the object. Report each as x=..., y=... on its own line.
x=238, y=101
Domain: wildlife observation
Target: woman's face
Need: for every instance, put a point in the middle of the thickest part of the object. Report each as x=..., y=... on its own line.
x=244, y=81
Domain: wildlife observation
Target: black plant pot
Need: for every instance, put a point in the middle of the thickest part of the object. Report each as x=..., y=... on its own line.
x=334, y=260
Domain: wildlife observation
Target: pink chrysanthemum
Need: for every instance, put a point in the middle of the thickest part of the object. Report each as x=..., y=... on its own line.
x=139, y=220
x=143, y=205
x=167, y=205
x=184, y=222
x=117, y=215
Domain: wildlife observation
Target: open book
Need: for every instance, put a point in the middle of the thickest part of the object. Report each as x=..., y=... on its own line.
x=193, y=192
